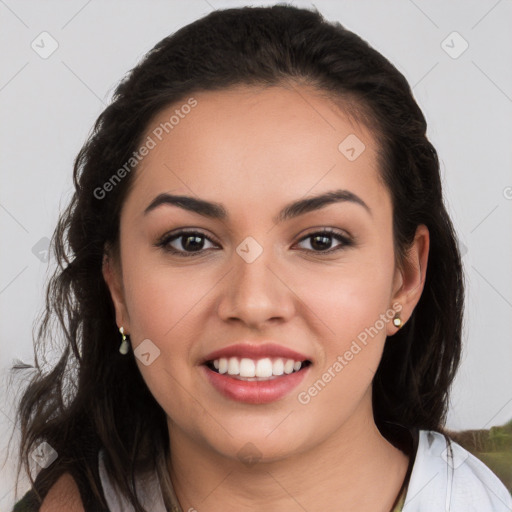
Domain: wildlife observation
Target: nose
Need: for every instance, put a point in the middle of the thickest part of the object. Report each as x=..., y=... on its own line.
x=256, y=293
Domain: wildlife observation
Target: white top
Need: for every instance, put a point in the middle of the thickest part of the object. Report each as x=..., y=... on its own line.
x=462, y=483
x=439, y=482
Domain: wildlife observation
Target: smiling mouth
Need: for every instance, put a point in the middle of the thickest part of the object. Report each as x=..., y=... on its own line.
x=261, y=369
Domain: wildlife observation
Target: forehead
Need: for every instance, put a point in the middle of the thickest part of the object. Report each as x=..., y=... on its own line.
x=256, y=145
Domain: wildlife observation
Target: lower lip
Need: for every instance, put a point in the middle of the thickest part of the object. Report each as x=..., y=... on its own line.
x=254, y=392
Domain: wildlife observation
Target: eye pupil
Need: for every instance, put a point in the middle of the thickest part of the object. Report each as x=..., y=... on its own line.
x=192, y=242
x=326, y=240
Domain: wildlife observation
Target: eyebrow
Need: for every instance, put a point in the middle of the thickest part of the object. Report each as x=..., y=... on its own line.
x=217, y=211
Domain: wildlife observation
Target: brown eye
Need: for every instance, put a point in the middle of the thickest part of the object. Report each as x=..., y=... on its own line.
x=185, y=243
x=191, y=242
x=322, y=241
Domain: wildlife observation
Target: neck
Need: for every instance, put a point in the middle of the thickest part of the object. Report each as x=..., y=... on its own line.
x=354, y=469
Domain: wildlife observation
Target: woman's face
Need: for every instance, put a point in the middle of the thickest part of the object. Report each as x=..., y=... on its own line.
x=257, y=285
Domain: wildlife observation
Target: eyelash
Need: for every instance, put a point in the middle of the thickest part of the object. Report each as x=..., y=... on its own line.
x=163, y=242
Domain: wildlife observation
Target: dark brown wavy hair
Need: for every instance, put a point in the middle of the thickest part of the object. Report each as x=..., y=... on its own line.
x=94, y=398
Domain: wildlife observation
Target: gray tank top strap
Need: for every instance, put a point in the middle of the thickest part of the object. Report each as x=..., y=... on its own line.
x=147, y=486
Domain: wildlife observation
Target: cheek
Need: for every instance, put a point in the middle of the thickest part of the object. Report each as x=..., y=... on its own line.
x=163, y=306
x=161, y=299
x=350, y=298
x=354, y=312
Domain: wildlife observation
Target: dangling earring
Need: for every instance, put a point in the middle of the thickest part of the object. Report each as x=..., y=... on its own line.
x=125, y=346
x=397, y=322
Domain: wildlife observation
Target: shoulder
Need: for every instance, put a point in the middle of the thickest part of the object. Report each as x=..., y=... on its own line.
x=63, y=496
x=445, y=476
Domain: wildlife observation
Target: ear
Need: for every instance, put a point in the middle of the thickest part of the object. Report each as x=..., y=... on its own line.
x=112, y=274
x=409, y=280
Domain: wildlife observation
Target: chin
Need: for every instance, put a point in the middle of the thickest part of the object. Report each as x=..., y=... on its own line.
x=250, y=444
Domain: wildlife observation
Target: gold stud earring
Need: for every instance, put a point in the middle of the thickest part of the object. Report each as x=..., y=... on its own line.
x=125, y=346
x=397, y=322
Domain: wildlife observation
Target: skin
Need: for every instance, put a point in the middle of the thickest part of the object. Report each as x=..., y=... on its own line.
x=254, y=150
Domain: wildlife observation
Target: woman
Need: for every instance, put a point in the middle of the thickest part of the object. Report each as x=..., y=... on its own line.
x=263, y=296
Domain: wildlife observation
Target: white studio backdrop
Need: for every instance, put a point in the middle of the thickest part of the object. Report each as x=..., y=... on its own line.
x=62, y=60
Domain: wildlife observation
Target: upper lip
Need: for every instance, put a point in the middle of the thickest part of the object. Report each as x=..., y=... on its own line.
x=255, y=351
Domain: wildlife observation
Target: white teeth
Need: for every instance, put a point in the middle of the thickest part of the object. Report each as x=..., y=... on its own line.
x=223, y=365
x=278, y=367
x=264, y=368
x=259, y=368
x=233, y=366
x=247, y=368
x=288, y=366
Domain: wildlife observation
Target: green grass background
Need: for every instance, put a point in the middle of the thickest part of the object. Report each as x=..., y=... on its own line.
x=492, y=446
